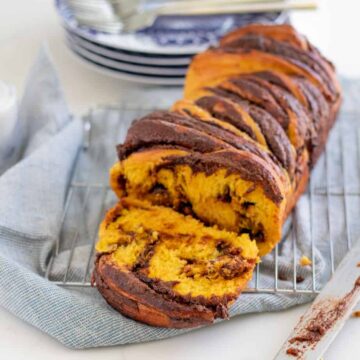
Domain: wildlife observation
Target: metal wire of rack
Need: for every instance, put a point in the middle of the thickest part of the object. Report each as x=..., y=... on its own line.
x=90, y=196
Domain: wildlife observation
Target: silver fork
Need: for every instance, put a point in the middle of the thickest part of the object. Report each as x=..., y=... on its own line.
x=138, y=20
x=96, y=14
x=109, y=15
x=132, y=15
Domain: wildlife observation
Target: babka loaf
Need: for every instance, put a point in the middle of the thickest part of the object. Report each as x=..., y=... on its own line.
x=215, y=177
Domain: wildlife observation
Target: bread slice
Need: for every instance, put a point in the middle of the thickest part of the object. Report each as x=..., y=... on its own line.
x=232, y=189
x=247, y=118
x=224, y=113
x=166, y=269
x=213, y=66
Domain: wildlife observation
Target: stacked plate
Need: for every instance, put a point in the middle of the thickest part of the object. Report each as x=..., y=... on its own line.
x=159, y=54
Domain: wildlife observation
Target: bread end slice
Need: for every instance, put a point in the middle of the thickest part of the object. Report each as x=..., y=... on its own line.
x=165, y=269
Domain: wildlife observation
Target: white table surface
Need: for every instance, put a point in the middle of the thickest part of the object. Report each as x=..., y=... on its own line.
x=24, y=26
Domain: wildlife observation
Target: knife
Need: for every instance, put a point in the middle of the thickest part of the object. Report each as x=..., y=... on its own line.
x=320, y=324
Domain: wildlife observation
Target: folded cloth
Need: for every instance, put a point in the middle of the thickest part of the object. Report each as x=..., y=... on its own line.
x=32, y=196
x=8, y=122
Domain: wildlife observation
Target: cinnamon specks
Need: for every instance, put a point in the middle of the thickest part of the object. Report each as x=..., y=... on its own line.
x=325, y=314
x=293, y=352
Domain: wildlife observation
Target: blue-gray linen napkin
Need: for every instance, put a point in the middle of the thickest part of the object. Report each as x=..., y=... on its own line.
x=33, y=192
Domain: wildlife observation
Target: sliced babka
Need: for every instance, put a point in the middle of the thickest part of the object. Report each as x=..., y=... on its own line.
x=205, y=187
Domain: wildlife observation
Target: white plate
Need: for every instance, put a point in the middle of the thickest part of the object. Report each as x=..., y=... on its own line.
x=133, y=58
x=126, y=67
x=121, y=75
x=172, y=36
x=133, y=42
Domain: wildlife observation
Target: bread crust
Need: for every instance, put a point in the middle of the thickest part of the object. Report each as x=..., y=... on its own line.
x=285, y=33
x=236, y=61
x=127, y=294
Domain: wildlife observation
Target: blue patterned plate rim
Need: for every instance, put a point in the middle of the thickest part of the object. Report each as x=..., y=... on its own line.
x=170, y=35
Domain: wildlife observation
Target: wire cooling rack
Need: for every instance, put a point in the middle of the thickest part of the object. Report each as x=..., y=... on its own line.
x=71, y=259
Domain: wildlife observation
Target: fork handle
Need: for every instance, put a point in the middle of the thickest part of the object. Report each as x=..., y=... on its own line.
x=232, y=7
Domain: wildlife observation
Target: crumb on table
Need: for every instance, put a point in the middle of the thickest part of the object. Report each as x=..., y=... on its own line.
x=293, y=352
x=304, y=261
x=356, y=314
